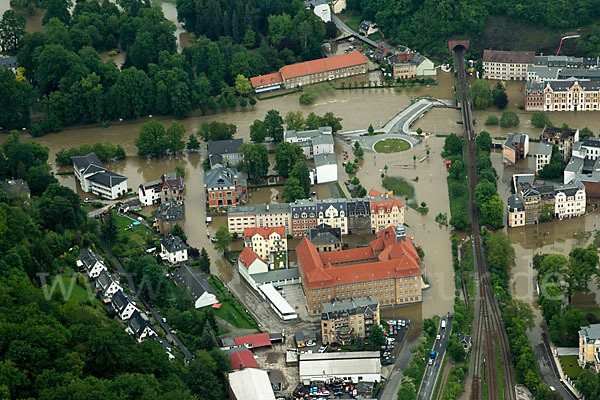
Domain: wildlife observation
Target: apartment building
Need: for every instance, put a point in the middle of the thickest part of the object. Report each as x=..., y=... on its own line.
x=571, y=95
x=507, y=65
x=515, y=147
x=516, y=211
x=385, y=211
x=265, y=241
x=167, y=189
x=538, y=201
x=342, y=321
x=257, y=216
x=542, y=155
x=410, y=66
x=224, y=187
x=359, y=216
x=167, y=216
x=534, y=96
x=570, y=200
x=589, y=149
x=312, y=142
x=563, y=138
x=388, y=269
x=304, y=217
x=94, y=178
x=333, y=212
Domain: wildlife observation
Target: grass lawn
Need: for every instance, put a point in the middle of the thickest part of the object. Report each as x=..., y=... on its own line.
x=139, y=234
x=230, y=310
x=78, y=293
x=279, y=258
x=570, y=366
x=377, y=36
x=391, y=146
x=401, y=187
x=590, y=310
x=352, y=20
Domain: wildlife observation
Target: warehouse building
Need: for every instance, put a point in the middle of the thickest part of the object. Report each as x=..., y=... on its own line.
x=354, y=366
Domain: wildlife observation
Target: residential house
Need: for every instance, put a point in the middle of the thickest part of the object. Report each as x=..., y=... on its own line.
x=94, y=178
x=388, y=269
x=516, y=211
x=167, y=189
x=201, y=291
x=325, y=168
x=224, y=187
x=321, y=9
x=167, y=217
x=269, y=215
x=589, y=347
x=249, y=263
x=534, y=96
x=542, y=155
x=386, y=211
x=408, y=65
x=265, y=241
x=570, y=200
x=312, y=142
x=538, y=201
x=325, y=238
x=304, y=217
x=250, y=384
x=92, y=262
x=563, y=138
x=589, y=149
x=16, y=188
x=515, y=147
x=140, y=326
x=465, y=341
x=359, y=216
x=9, y=62
x=367, y=28
x=506, y=65
x=173, y=249
x=108, y=284
x=338, y=6
x=267, y=83
x=123, y=305
x=224, y=153
x=342, y=321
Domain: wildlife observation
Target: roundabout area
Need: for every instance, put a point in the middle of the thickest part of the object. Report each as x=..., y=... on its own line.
x=392, y=145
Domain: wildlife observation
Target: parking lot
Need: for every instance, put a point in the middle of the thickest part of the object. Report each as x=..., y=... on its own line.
x=273, y=360
x=295, y=297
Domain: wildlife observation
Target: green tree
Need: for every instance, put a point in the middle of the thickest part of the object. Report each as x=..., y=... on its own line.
x=306, y=98
x=38, y=179
x=407, y=392
x=242, y=85
x=455, y=349
x=330, y=120
x=180, y=170
x=223, y=239
x=15, y=101
x=539, y=119
x=174, y=137
x=258, y=131
x=255, y=160
x=376, y=337
x=509, y=118
x=12, y=30
x=370, y=129
x=585, y=132
x=109, y=227
x=274, y=125
x=481, y=93
x=453, y=145
x=492, y=212
x=193, y=143
x=286, y=156
x=204, y=262
x=294, y=120
x=583, y=265
x=312, y=121
x=491, y=120
x=250, y=39
x=178, y=231
x=554, y=169
x=484, y=191
x=215, y=130
x=152, y=140
x=587, y=384
x=501, y=100
x=292, y=190
x=300, y=171
x=484, y=142
x=57, y=9
x=457, y=170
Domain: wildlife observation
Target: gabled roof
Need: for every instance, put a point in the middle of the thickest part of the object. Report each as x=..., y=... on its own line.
x=107, y=178
x=242, y=359
x=173, y=243
x=171, y=180
x=265, y=231
x=89, y=258
x=322, y=65
x=247, y=257
x=514, y=57
x=120, y=301
x=325, y=234
x=230, y=146
x=105, y=279
x=170, y=212
x=253, y=341
x=194, y=280
x=138, y=323
x=268, y=79
x=220, y=177
x=82, y=162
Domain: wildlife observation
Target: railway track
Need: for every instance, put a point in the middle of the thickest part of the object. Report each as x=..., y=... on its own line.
x=489, y=327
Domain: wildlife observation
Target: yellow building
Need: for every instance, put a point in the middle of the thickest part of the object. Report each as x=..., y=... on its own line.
x=265, y=241
x=342, y=321
x=589, y=346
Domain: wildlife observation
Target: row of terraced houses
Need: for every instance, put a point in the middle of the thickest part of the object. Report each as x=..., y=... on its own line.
x=359, y=216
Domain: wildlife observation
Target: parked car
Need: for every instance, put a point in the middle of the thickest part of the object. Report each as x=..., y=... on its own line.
x=438, y=337
x=310, y=343
x=283, y=294
x=322, y=349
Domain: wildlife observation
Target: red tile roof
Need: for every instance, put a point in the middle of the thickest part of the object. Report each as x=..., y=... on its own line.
x=268, y=79
x=242, y=359
x=257, y=340
x=322, y=65
x=395, y=260
x=265, y=231
x=515, y=57
x=247, y=257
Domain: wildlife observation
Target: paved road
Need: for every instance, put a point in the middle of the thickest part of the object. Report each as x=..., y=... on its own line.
x=165, y=326
x=346, y=29
x=432, y=371
x=390, y=390
x=548, y=370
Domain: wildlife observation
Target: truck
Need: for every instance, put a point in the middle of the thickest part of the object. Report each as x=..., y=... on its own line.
x=443, y=324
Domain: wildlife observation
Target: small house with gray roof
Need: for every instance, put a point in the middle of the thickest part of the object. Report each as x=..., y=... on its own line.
x=173, y=249
x=167, y=216
x=108, y=284
x=139, y=326
x=325, y=168
x=224, y=153
x=91, y=262
x=224, y=187
x=312, y=142
x=123, y=305
x=201, y=291
x=94, y=178
x=16, y=189
x=326, y=238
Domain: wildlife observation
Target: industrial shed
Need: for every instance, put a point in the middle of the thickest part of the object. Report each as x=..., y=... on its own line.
x=355, y=366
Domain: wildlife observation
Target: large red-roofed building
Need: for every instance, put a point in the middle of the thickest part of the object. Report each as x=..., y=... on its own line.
x=313, y=71
x=388, y=269
x=266, y=240
x=242, y=359
x=253, y=341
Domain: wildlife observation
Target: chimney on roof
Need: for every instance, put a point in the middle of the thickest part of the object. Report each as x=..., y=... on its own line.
x=400, y=233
